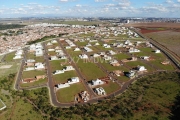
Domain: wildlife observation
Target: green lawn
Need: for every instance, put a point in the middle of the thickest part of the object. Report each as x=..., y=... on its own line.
x=81, y=43
x=111, y=87
x=13, y=69
x=122, y=56
x=56, y=65
x=90, y=70
x=32, y=73
x=9, y=57
x=62, y=78
x=158, y=64
x=66, y=95
x=36, y=83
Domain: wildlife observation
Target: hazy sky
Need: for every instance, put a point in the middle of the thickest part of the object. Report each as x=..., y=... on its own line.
x=89, y=8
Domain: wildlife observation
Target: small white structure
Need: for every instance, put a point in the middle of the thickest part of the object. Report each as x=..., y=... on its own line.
x=19, y=52
x=73, y=80
x=88, y=45
x=106, y=46
x=144, y=57
x=68, y=47
x=96, y=55
x=63, y=57
x=54, y=58
x=49, y=43
x=51, y=49
x=100, y=91
x=132, y=50
x=29, y=69
x=58, y=72
x=68, y=68
x=107, y=57
x=53, y=41
x=157, y=51
x=131, y=74
x=59, y=86
x=77, y=49
x=39, y=52
x=30, y=61
x=39, y=66
x=112, y=52
x=97, y=82
x=87, y=49
x=141, y=68
x=83, y=56
x=96, y=44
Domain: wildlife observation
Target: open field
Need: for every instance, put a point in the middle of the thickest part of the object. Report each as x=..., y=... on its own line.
x=170, y=39
x=65, y=95
x=6, y=71
x=32, y=73
x=36, y=83
x=90, y=70
x=9, y=57
x=111, y=87
x=154, y=25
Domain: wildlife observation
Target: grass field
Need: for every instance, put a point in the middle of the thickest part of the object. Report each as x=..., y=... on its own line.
x=66, y=95
x=56, y=65
x=90, y=70
x=121, y=56
x=62, y=78
x=36, y=83
x=21, y=113
x=9, y=57
x=13, y=69
x=32, y=73
x=170, y=39
x=1, y=104
x=111, y=87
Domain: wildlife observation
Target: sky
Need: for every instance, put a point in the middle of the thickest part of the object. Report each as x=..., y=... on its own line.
x=89, y=8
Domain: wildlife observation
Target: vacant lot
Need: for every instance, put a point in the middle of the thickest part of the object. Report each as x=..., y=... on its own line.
x=170, y=39
x=68, y=94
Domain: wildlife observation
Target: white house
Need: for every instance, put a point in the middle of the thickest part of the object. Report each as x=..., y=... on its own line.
x=131, y=73
x=107, y=57
x=141, y=68
x=39, y=52
x=39, y=46
x=87, y=49
x=29, y=68
x=144, y=57
x=68, y=68
x=97, y=82
x=19, y=52
x=68, y=47
x=100, y=91
x=59, y=86
x=88, y=45
x=112, y=52
x=77, y=49
x=96, y=55
x=63, y=57
x=96, y=44
x=53, y=41
x=132, y=50
x=157, y=51
x=49, y=43
x=73, y=80
x=58, y=72
x=83, y=56
x=54, y=58
x=106, y=46
x=39, y=66
x=51, y=49
x=30, y=61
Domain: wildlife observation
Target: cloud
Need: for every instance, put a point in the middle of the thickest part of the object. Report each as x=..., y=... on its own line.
x=178, y=0
x=100, y=0
x=63, y=0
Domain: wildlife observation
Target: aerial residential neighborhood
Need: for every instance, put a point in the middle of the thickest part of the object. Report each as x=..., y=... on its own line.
x=89, y=60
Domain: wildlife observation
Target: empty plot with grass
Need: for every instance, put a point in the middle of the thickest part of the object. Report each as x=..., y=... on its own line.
x=32, y=73
x=158, y=64
x=9, y=57
x=121, y=56
x=111, y=87
x=35, y=83
x=66, y=95
x=6, y=71
x=63, y=78
x=90, y=70
x=56, y=65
